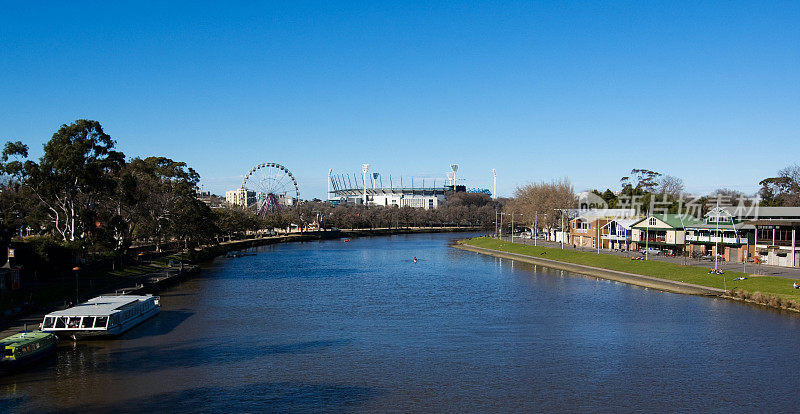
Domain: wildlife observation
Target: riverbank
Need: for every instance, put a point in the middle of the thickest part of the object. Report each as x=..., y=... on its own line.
x=770, y=291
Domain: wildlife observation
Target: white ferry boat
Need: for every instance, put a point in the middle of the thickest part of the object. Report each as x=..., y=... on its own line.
x=103, y=315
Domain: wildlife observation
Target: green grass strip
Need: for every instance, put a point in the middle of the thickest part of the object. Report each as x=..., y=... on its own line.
x=697, y=275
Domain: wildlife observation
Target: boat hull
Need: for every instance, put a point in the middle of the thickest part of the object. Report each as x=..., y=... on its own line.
x=14, y=365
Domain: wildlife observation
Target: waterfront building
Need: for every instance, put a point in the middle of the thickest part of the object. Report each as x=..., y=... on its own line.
x=616, y=234
x=777, y=235
x=665, y=232
x=721, y=232
x=585, y=228
x=769, y=235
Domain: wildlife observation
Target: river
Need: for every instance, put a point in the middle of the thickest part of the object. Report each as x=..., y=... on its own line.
x=359, y=326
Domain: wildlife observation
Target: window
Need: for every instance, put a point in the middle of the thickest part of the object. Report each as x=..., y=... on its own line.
x=652, y=221
x=101, y=322
x=49, y=322
x=88, y=322
x=61, y=322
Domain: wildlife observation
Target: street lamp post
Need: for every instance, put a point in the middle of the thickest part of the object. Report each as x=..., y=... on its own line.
x=561, y=211
x=495, y=223
x=716, y=241
x=77, y=296
x=647, y=239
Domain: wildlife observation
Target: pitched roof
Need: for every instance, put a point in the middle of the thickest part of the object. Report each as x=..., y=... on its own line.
x=602, y=213
x=758, y=212
x=676, y=221
x=624, y=222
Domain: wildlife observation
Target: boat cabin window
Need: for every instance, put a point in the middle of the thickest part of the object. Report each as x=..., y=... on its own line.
x=74, y=321
x=101, y=321
x=61, y=322
x=49, y=322
x=88, y=322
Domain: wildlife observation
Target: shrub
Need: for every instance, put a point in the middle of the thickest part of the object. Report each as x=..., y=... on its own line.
x=44, y=254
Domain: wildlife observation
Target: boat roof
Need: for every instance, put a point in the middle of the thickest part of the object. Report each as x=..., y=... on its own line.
x=101, y=305
x=23, y=338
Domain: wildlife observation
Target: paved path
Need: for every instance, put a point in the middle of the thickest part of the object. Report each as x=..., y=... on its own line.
x=759, y=269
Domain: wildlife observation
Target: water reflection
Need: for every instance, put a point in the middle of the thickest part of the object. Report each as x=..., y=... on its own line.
x=361, y=327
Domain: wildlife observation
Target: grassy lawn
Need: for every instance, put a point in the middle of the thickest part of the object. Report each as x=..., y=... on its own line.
x=690, y=274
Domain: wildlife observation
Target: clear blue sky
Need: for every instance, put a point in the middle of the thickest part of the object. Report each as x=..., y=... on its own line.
x=706, y=91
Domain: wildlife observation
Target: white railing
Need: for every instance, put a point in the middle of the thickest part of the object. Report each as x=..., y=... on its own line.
x=696, y=238
x=716, y=239
x=581, y=230
x=614, y=237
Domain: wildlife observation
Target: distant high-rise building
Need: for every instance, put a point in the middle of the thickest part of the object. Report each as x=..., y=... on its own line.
x=240, y=197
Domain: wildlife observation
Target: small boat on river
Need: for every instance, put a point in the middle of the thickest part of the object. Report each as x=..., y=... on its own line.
x=102, y=316
x=26, y=347
x=239, y=254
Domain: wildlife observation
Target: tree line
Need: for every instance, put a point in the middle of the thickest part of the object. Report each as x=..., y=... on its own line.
x=543, y=202
x=85, y=194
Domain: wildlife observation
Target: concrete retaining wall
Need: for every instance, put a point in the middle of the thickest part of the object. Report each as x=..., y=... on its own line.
x=633, y=279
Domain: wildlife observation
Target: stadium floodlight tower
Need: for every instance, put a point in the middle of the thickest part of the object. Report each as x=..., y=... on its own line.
x=374, y=179
x=494, y=189
x=454, y=167
x=364, y=169
x=329, y=183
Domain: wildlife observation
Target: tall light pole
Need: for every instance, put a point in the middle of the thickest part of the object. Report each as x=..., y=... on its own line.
x=716, y=240
x=535, y=228
x=329, y=184
x=454, y=167
x=364, y=169
x=494, y=189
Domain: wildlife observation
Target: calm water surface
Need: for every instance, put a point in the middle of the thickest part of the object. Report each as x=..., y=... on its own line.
x=358, y=326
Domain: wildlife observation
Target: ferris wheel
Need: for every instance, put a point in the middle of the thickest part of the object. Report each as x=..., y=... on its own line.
x=274, y=186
